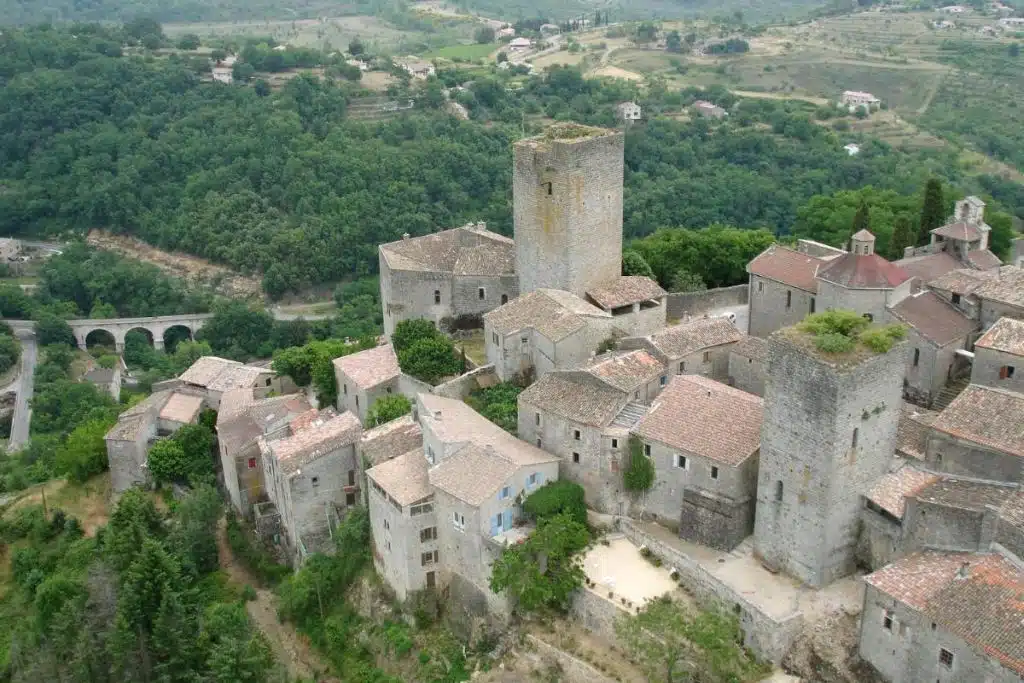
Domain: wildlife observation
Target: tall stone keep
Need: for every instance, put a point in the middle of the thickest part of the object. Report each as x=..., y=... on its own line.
x=829, y=432
x=567, y=188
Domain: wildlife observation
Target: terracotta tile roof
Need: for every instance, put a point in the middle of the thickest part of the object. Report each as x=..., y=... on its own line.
x=554, y=314
x=707, y=418
x=986, y=416
x=234, y=402
x=134, y=419
x=238, y=377
x=1012, y=510
x=405, y=477
x=476, y=471
x=370, y=368
x=961, y=281
x=687, y=337
x=983, y=259
x=967, y=232
x=963, y=494
x=181, y=408
x=127, y=428
x=391, y=438
x=206, y=370
x=626, y=370
x=1007, y=287
x=466, y=250
x=912, y=432
x=787, y=266
x=978, y=597
x=1007, y=335
x=576, y=395
x=754, y=348
x=865, y=271
x=314, y=442
x=934, y=318
x=629, y=289
x=890, y=492
x=930, y=266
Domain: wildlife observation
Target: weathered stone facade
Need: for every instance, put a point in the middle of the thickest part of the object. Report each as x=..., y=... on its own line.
x=774, y=305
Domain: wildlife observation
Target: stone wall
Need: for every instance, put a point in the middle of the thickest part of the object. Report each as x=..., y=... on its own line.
x=570, y=669
x=746, y=374
x=770, y=638
x=774, y=305
x=595, y=613
x=462, y=386
x=880, y=540
x=694, y=304
x=987, y=365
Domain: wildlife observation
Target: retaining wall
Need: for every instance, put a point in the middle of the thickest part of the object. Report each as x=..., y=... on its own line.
x=681, y=304
x=595, y=613
x=571, y=669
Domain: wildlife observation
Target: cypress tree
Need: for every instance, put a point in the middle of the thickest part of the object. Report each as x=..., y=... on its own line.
x=933, y=210
x=902, y=237
x=861, y=220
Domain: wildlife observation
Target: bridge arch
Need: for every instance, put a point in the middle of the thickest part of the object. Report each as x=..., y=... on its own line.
x=100, y=336
x=174, y=335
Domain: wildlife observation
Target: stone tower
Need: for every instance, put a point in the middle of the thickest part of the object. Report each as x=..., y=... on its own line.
x=567, y=189
x=829, y=432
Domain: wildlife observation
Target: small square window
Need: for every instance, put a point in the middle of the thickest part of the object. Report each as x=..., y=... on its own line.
x=615, y=443
x=887, y=620
x=663, y=380
x=505, y=493
x=350, y=499
x=956, y=298
x=387, y=390
x=636, y=395
x=268, y=382
x=316, y=481
x=760, y=286
x=707, y=356
x=681, y=462
x=480, y=293
x=647, y=449
x=576, y=458
x=945, y=658
x=576, y=434
x=714, y=472
x=682, y=367
x=252, y=463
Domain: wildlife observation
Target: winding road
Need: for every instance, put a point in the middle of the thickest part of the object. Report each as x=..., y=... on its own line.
x=25, y=386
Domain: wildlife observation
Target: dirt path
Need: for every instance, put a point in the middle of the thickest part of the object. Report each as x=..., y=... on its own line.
x=931, y=94
x=289, y=647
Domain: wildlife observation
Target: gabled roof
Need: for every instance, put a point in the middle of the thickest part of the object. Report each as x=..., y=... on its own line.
x=390, y=439
x=182, y=408
x=983, y=259
x=912, y=432
x=241, y=419
x=552, y=313
x=891, y=491
x=990, y=417
x=473, y=474
x=404, y=477
x=706, y=418
x=1007, y=287
x=933, y=318
x=467, y=250
x=238, y=377
x=628, y=289
x=626, y=370
x=863, y=271
x=576, y=395
x=317, y=439
x=787, y=266
x=967, y=232
x=978, y=597
x=961, y=281
x=687, y=337
x=964, y=494
x=206, y=370
x=1007, y=335
x=753, y=348
x=370, y=368
x=930, y=266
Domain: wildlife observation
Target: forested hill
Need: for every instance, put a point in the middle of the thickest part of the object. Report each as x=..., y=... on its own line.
x=283, y=185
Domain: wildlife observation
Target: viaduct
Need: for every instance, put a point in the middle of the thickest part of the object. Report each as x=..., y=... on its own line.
x=156, y=327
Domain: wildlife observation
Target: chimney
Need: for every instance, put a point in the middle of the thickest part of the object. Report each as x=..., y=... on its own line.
x=405, y=235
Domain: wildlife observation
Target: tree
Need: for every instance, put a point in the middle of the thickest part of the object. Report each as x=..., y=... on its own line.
x=429, y=360
x=167, y=461
x=633, y=263
x=134, y=520
x=197, y=445
x=673, y=42
x=646, y=32
x=484, y=35
x=84, y=453
x=903, y=235
x=52, y=330
x=861, y=219
x=408, y=332
x=189, y=41
x=684, y=280
x=555, y=498
x=387, y=408
x=639, y=472
x=543, y=571
x=194, y=537
x=243, y=73
x=933, y=210
x=152, y=575
x=10, y=352
x=218, y=55
x=498, y=404
x=355, y=47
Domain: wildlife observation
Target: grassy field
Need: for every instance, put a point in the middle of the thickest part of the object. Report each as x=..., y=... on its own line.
x=469, y=53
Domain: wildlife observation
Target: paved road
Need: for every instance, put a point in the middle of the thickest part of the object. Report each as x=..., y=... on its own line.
x=22, y=410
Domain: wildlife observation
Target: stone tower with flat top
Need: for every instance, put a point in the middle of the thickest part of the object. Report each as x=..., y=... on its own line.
x=567, y=189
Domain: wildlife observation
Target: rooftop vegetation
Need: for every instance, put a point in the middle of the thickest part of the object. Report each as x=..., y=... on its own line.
x=840, y=331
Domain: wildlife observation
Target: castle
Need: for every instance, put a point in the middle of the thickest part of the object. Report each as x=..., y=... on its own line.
x=790, y=482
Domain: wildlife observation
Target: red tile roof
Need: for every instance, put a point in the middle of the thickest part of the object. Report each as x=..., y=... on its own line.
x=983, y=259
x=929, y=267
x=958, y=231
x=628, y=289
x=787, y=266
x=1007, y=335
x=934, y=319
x=990, y=417
x=891, y=491
x=867, y=271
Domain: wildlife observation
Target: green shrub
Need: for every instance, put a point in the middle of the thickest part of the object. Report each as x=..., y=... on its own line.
x=387, y=408
x=639, y=472
x=833, y=342
x=847, y=323
x=557, y=497
x=881, y=339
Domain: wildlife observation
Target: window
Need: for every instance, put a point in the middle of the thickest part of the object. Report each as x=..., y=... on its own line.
x=547, y=187
x=531, y=480
x=357, y=401
x=576, y=434
x=387, y=390
x=431, y=580
x=1006, y=372
x=789, y=298
x=707, y=356
x=812, y=305
x=504, y=298
x=917, y=357
x=663, y=380
x=760, y=286
x=428, y=534
x=480, y=293
x=427, y=559
x=647, y=449
x=778, y=490
x=636, y=395
x=494, y=339
x=351, y=477
x=268, y=382
x=316, y=481
x=437, y=296
x=682, y=367
x=389, y=546
x=853, y=441
x=504, y=493
x=536, y=419
x=681, y=461
x=344, y=389
x=459, y=521
x=387, y=525
x=615, y=443
x=523, y=341
x=714, y=472
x=887, y=620
x=539, y=442
x=430, y=455
x=576, y=458
x=350, y=499
x=252, y=463
x=945, y=658
x=956, y=298
x=421, y=509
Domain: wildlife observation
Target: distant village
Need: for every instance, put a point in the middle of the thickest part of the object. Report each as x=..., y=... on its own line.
x=794, y=482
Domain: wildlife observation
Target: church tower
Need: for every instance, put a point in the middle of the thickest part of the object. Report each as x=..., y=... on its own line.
x=829, y=433
x=567, y=193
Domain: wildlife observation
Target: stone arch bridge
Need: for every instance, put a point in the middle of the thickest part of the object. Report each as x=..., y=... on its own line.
x=157, y=327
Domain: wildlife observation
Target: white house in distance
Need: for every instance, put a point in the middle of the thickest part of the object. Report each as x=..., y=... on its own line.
x=852, y=99
x=520, y=44
x=852, y=149
x=629, y=111
x=507, y=32
x=417, y=68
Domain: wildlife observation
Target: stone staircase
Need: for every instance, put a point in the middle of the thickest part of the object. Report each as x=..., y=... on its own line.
x=949, y=392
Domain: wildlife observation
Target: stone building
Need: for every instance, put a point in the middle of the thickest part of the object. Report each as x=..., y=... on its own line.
x=999, y=356
x=450, y=277
x=567, y=208
x=861, y=280
x=636, y=304
x=830, y=426
x=628, y=112
x=703, y=438
x=783, y=288
x=699, y=346
x=107, y=379
x=213, y=376
x=364, y=377
x=583, y=416
x=959, y=287
x=312, y=478
x=544, y=330
x=241, y=421
x=1002, y=296
x=157, y=416
x=962, y=242
x=747, y=365
x=937, y=331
